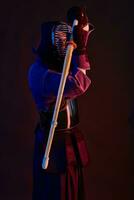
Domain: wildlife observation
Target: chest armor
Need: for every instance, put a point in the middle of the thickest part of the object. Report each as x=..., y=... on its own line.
x=67, y=118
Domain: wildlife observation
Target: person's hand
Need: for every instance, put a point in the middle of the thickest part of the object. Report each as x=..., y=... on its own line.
x=81, y=31
x=80, y=37
x=78, y=13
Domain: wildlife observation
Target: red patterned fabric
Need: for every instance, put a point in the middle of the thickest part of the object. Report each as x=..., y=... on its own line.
x=64, y=174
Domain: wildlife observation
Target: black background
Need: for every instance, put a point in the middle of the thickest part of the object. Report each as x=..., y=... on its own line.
x=104, y=109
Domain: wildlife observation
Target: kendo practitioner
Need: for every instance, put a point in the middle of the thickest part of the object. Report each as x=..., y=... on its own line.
x=63, y=179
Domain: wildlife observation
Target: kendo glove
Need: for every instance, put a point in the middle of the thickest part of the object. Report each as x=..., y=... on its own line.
x=81, y=31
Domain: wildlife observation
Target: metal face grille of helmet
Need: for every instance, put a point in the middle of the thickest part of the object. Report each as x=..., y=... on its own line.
x=60, y=35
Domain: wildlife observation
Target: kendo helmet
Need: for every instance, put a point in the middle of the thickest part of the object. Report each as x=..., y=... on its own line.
x=53, y=43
